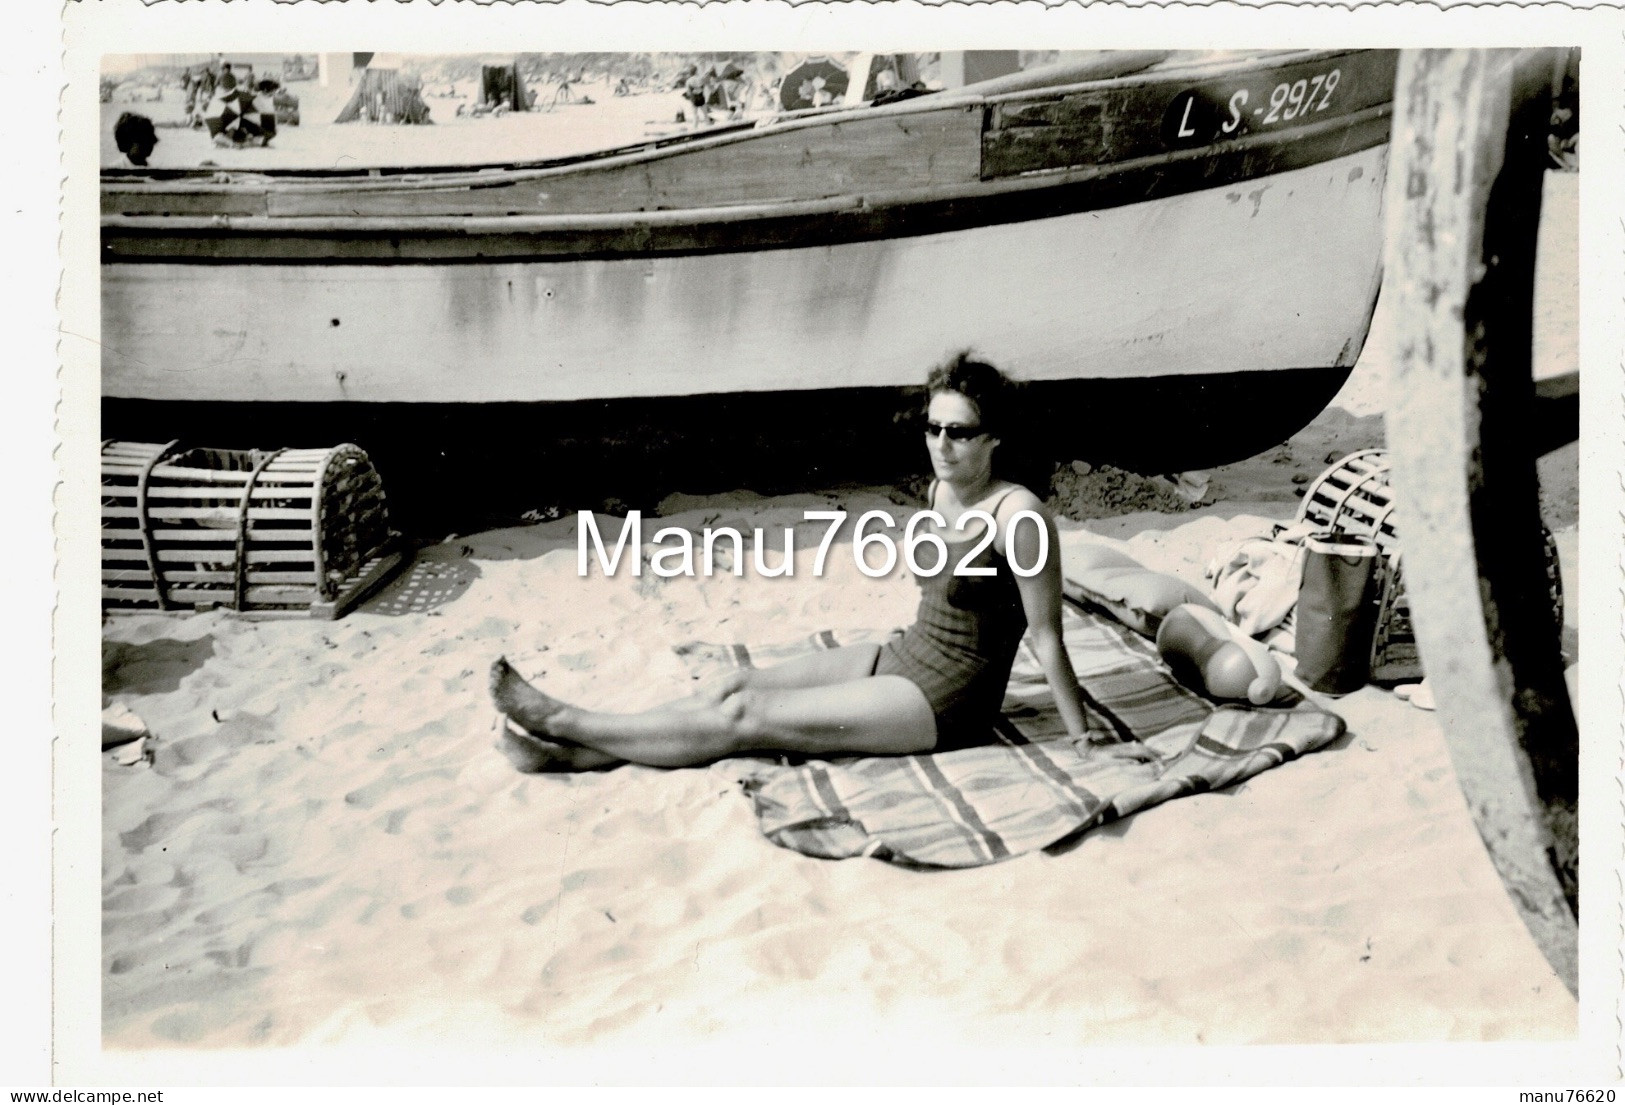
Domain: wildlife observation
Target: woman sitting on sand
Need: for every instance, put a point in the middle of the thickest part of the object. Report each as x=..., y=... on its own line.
x=937, y=687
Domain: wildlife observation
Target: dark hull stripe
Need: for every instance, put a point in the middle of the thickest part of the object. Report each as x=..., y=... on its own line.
x=1204, y=420
x=473, y=240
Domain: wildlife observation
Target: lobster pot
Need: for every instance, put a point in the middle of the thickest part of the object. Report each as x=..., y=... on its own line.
x=292, y=531
x=1355, y=496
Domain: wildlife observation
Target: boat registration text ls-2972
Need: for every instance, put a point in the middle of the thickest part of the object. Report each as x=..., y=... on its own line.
x=1281, y=98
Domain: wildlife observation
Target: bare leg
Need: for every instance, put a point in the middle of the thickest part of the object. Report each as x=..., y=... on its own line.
x=532, y=755
x=531, y=709
x=884, y=715
x=816, y=669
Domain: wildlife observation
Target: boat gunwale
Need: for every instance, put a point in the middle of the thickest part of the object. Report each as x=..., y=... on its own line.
x=501, y=174
x=472, y=225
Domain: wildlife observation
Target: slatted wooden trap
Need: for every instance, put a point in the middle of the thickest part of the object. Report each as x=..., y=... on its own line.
x=285, y=532
x=1355, y=496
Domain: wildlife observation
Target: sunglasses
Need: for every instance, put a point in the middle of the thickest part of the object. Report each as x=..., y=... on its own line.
x=955, y=433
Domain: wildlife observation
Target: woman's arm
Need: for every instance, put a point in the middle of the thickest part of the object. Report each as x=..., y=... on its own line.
x=1041, y=600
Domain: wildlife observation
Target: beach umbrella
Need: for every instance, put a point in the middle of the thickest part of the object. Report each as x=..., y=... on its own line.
x=813, y=83
x=241, y=117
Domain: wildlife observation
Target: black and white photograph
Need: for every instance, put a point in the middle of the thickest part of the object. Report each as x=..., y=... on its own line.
x=706, y=533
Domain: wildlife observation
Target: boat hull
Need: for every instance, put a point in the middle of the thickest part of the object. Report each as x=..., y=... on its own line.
x=455, y=466
x=1253, y=276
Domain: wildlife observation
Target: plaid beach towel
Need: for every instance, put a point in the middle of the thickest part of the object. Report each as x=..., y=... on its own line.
x=1029, y=787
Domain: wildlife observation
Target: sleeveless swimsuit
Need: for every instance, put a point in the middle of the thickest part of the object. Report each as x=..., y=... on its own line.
x=962, y=644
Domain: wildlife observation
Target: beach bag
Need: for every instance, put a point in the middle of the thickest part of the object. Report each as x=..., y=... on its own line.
x=1355, y=495
x=1337, y=611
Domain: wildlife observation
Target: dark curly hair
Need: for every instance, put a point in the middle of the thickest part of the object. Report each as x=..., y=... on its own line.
x=133, y=133
x=998, y=399
x=991, y=390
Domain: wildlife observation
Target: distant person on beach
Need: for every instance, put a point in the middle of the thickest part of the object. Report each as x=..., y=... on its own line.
x=727, y=88
x=564, y=93
x=696, y=87
x=201, y=92
x=135, y=137
x=937, y=687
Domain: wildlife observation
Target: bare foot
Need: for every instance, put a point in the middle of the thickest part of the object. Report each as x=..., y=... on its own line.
x=534, y=755
x=534, y=711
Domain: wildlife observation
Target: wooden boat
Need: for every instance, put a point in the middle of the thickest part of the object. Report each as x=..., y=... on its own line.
x=1194, y=247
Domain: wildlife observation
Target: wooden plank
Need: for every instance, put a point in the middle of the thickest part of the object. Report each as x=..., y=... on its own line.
x=296, y=471
x=121, y=575
x=188, y=475
x=856, y=154
x=224, y=496
x=1468, y=156
x=226, y=517
x=261, y=535
x=292, y=596
x=1037, y=113
x=269, y=613
x=191, y=474
x=372, y=576
x=212, y=485
x=253, y=555
x=1031, y=149
x=225, y=577
x=1090, y=110
x=171, y=575
x=184, y=199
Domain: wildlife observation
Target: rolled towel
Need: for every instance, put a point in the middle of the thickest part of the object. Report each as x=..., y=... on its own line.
x=1133, y=594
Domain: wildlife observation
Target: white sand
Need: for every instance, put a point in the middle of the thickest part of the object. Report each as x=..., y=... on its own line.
x=341, y=852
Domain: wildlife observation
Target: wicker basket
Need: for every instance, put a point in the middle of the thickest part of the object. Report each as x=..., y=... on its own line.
x=289, y=532
x=1355, y=496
